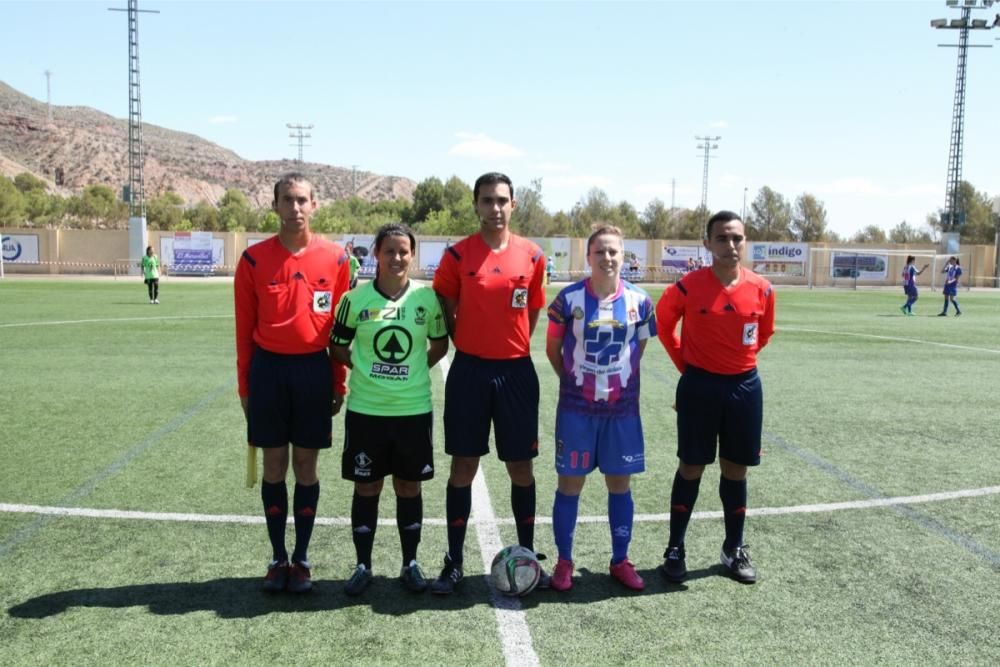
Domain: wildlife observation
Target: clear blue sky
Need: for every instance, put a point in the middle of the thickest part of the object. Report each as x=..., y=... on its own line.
x=850, y=101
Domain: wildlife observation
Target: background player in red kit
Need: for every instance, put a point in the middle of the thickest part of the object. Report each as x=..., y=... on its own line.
x=491, y=287
x=285, y=289
x=727, y=315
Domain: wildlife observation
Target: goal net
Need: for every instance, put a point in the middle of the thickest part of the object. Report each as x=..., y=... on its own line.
x=852, y=268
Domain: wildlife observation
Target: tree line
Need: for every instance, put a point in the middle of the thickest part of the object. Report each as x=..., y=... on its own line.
x=444, y=208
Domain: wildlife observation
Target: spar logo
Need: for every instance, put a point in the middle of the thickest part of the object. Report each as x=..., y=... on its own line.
x=11, y=249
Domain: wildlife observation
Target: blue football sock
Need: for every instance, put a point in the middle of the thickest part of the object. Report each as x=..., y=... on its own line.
x=620, y=513
x=564, y=511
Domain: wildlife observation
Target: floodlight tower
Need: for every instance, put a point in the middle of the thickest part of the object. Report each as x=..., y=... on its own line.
x=136, y=186
x=48, y=96
x=706, y=145
x=300, y=134
x=953, y=218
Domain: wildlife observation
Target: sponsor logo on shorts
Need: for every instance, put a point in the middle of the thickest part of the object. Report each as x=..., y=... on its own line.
x=427, y=469
x=322, y=302
x=632, y=458
x=362, y=465
x=520, y=298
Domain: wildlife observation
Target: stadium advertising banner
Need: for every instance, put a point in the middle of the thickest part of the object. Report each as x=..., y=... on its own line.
x=20, y=248
x=558, y=250
x=429, y=255
x=779, y=259
x=368, y=260
x=196, y=253
x=675, y=257
x=860, y=267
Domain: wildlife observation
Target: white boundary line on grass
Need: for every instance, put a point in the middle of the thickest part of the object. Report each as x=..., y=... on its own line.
x=893, y=338
x=113, y=319
x=490, y=519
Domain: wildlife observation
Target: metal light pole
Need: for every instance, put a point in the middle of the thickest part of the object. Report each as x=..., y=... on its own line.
x=136, y=184
x=300, y=134
x=707, y=146
x=743, y=215
x=953, y=218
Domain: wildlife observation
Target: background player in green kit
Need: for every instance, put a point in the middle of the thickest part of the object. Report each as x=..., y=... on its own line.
x=151, y=274
x=390, y=331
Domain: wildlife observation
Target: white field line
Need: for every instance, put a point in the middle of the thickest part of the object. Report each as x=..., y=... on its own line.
x=487, y=521
x=916, y=341
x=515, y=635
x=113, y=319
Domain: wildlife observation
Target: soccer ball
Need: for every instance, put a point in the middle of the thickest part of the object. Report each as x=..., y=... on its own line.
x=515, y=571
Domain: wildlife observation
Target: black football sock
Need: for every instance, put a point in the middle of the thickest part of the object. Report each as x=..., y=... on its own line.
x=364, y=521
x=275, y=498
x=683, y=496
x=409, y=516
x=733, y=494
x=458, y=506
x=522, y=504
x=304, y=504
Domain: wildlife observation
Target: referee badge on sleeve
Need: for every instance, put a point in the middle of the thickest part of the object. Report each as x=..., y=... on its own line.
x=750, y=333
x=519, y=298
x=322, y=302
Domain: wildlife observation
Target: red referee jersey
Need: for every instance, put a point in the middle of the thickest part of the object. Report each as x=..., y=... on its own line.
x=723, y=328
x=284, y=302
x=495, y=292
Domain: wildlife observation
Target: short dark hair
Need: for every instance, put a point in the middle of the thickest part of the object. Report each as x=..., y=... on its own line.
x=601, y=229
x=394, y=229
x=721, y=216
x=491, y=178
x=293, y=177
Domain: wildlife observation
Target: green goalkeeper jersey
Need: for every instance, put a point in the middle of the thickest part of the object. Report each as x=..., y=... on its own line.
x=388, y=339
x=150, y=267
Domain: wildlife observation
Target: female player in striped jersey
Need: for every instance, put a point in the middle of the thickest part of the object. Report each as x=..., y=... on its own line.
x=952, y=271
x=910, y=274
x=598, y=328
x=390, y=331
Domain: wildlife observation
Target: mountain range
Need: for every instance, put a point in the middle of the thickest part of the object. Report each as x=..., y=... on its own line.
x=91, y=147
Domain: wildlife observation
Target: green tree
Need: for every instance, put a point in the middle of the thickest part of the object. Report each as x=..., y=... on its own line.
x=530, y=218
x=689, y=224
x=770, y=217
x=808, y=219
x=270, y=222
x=26, y=182
x=656, y=221
x=12, y=204
x=98, y=206
x=905, y=233
x=203, y=217
x=870, y=234
x=165, y=211
x=428, y=196
x=445, y=223
x=234, y=211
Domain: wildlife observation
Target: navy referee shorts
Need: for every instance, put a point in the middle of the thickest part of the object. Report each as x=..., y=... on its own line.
x=727, y=410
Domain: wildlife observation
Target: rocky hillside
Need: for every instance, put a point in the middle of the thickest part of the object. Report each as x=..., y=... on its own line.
x=92, y=147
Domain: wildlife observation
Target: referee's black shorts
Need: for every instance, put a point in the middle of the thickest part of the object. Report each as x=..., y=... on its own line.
x=502, y=391
x=290, y=400
x=723, y=409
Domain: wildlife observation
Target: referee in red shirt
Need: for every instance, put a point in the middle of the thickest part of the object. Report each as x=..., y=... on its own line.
x=285, y=290
x=491, y=287
x=728, y=316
